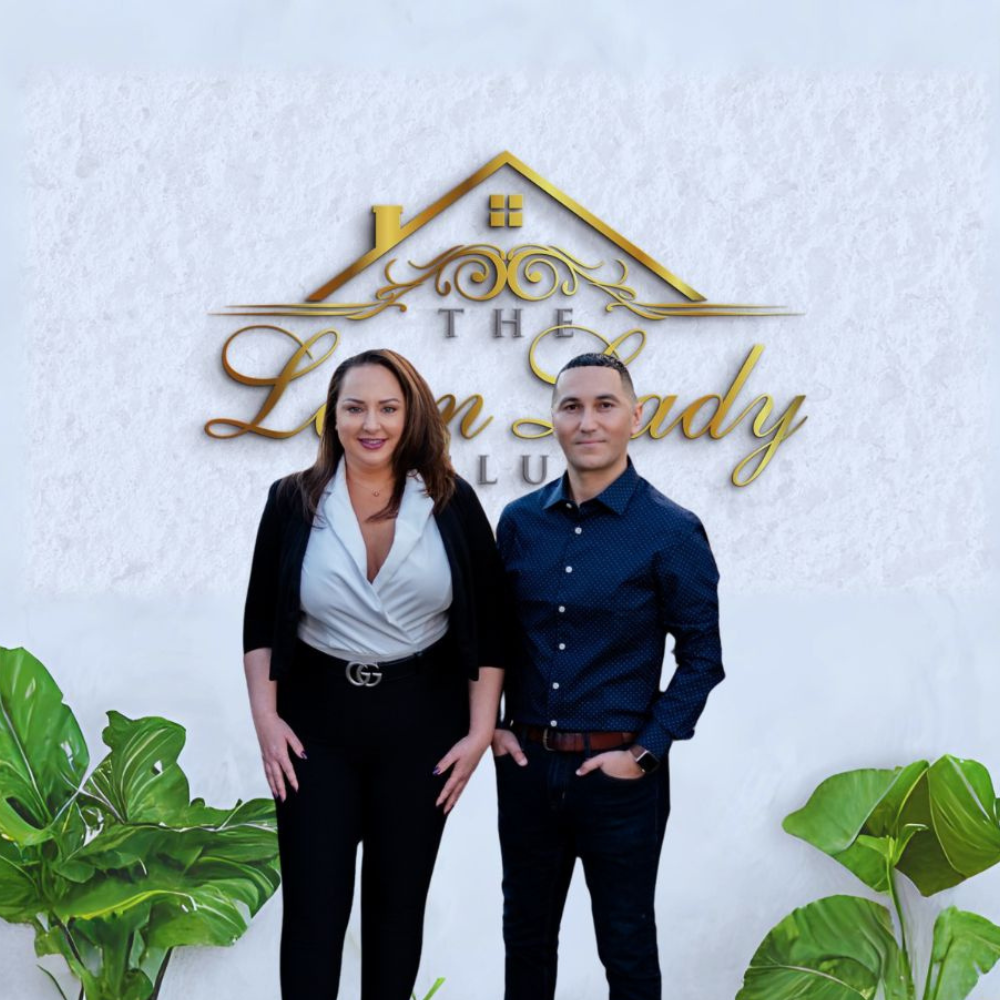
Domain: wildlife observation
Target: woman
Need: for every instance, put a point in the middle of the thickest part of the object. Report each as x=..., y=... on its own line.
x=371, y=608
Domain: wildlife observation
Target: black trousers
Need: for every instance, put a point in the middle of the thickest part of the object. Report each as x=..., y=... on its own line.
x=367, y=779
x=549, y=817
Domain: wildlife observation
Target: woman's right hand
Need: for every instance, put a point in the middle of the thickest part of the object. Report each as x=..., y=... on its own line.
x=505, y=742
x=275, y=737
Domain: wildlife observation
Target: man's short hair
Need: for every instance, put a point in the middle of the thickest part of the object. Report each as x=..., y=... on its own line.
x=599, y=361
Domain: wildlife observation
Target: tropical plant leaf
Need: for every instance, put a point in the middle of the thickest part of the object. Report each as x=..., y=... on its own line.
x=837, y=948
x=966, y=946
x=208, y=903
x=846, y=807
x=115, y=871
x=105, y=946
x=438, y=983
x=955, y=803
x=246, y=835
x=134, y=985
x=49, y=941
x=214, y=913
x=257, y=811
x=19, y=884
x=139, y=781
x=43, y=755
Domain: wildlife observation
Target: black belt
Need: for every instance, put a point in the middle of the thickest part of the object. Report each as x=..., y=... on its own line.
x=361, y=674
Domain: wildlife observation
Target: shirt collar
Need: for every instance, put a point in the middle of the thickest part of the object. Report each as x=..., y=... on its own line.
x=415, y=509
x=615, y=496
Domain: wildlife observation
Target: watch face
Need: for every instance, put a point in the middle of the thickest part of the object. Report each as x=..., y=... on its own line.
x=647, y=762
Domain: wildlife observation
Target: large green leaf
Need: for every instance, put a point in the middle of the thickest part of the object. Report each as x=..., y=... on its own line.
x=966, y=946
x=194, y=907
x=43, y=755
x=837, y=948
x=855, y=817
x=19, y=884
x=139, y=780
x=216, y=913
x=956, y=804
x=244, y=834
x=116, y=873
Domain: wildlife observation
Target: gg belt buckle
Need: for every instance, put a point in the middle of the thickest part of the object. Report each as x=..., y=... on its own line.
x=363, y=674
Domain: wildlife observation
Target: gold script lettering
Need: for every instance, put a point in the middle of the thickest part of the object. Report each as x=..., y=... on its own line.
x=278, y=384
x=450, y=408
x=781, y=429
x=610, y=347
x=657, y=425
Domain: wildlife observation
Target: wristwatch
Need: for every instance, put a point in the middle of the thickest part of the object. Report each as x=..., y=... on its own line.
x=646, y=760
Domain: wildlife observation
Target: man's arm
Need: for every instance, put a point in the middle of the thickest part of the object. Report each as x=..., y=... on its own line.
x=689, y=611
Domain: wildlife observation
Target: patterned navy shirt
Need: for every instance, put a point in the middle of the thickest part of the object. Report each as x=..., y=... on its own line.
x=596, y=587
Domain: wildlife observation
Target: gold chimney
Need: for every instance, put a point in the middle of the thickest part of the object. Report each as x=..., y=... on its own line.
x=386, y=226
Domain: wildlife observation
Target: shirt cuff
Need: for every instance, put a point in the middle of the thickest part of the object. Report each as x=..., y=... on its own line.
x=656, y=740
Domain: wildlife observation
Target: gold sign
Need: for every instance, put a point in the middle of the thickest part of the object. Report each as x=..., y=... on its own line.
x=533, y=273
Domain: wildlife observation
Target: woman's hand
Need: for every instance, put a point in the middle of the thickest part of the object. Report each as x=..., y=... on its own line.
x=505, y=742
x=275, y=737
x=462, y=758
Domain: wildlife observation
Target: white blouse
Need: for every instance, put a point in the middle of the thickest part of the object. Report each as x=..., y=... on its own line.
x=404, y=609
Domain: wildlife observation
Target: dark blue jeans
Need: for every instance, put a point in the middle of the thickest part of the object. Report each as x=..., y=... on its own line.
x=549, y=817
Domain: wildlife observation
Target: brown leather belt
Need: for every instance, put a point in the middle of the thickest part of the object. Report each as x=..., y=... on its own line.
x=553, y=739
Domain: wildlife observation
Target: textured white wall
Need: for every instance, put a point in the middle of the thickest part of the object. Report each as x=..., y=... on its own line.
x=859, y=581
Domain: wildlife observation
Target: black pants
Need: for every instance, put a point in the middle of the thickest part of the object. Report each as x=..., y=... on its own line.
x=367, y=778
x=548, y=818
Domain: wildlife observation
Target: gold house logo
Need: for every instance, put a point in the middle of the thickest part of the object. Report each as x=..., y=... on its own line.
x=478, y=273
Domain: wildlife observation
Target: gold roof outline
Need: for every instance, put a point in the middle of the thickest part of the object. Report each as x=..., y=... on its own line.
x=386, y=239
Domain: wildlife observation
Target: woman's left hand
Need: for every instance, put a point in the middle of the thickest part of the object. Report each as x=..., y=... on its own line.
x=462, y=758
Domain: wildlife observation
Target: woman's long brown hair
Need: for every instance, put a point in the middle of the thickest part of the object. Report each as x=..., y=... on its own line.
x=423, y=445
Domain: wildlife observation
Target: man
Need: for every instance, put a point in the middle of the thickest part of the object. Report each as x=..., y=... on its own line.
x=600, y=568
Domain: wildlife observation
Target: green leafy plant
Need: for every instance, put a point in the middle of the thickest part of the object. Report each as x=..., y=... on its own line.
x=438, y=983
x=117, y=868
x=936, y=824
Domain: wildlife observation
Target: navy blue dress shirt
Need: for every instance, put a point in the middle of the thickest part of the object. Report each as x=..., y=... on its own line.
x=596, y=588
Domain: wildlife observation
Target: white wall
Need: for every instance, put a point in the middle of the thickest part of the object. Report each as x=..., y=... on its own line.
x=167, y=166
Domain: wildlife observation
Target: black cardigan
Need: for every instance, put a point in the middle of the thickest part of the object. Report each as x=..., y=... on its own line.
x=271, y=614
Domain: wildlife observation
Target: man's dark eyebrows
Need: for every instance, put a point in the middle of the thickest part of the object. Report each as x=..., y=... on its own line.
x=600, y=396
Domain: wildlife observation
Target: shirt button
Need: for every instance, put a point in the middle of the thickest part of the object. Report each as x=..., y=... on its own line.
x=578, y=530
x=555, y=685
x=569, y=506
x=553, y=723
x=569, y=569
x=562, y=609
x=562, y=645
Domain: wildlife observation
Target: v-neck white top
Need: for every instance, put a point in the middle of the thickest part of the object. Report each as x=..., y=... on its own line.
x=404, y=609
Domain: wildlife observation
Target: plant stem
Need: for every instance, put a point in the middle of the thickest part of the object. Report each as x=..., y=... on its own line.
x=927, y=981
x=893, y=893
x=75, y=961
x=69, y=940
x=55, y=981
x=160, y=975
